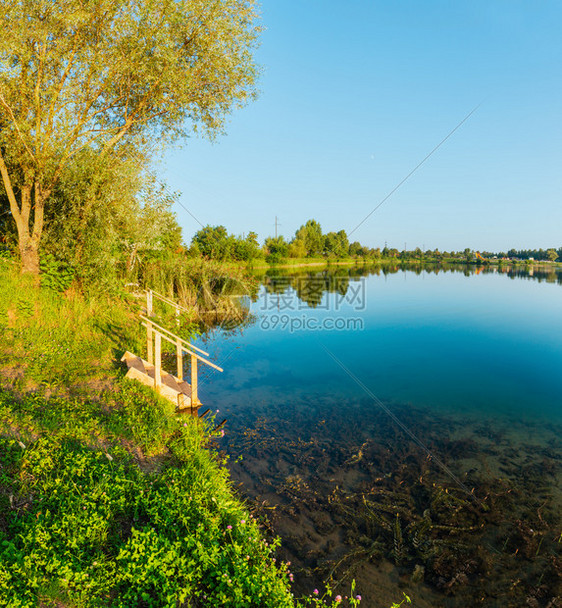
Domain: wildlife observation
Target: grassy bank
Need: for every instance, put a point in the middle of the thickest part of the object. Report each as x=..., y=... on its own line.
x=302, y=262
x=107, y=497
x=359, y=261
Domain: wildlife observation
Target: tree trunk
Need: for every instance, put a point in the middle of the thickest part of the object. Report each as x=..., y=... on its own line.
x=28, y=240
x=29, y=226
x=29, y=255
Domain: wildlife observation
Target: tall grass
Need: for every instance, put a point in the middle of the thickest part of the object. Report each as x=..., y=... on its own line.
x=56, y=339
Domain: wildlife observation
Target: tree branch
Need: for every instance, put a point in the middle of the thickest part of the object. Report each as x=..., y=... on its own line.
x=58, y=90
x=14, y=208
x=5, y=104
x=37, y=97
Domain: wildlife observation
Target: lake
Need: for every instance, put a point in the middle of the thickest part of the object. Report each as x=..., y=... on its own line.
x=402, y=427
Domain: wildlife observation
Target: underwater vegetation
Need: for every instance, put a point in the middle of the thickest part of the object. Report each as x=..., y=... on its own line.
x=476, y=522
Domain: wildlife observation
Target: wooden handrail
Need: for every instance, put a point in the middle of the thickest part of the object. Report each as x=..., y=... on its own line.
x=176, y=338
x=177, y=341
x=154, y=335
x=168, y=300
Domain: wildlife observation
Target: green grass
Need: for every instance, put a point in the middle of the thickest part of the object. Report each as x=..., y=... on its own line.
x=86, y=522
x=107, y=497
x=319, y=261
x=60, y=339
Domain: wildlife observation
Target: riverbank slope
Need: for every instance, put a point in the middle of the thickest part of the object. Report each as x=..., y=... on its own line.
x=107, y=497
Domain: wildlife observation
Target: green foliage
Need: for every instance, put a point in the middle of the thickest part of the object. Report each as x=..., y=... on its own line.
x=309, y=242
x=199, y=285
x=406, y=600
x=297, y=249
x=309, y=237
x=215, y=243
x=55, y=275
x=247, y=248
x=212, y=242
x=336, y=244
x=86, y=525
x=24, y=307
x=329, y=598
x=276, y=249
x=142, y=416
x=355, y=248
x=107, y=220
x=59, y=339
x=7, y=228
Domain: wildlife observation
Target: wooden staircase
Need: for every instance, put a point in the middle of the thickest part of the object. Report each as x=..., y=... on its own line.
x=174, y=388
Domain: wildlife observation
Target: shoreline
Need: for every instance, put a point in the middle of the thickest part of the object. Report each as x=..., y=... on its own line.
x=543, y=265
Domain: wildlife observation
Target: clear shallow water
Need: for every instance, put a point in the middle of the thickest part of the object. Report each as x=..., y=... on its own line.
x=469, y=363
x=481, y=343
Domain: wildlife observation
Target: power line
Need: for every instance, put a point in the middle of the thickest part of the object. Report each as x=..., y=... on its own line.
x=186, y=209
x=408, y=432
x=416, y=168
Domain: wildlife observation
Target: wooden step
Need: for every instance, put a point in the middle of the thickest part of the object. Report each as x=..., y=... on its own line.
x=176, y=391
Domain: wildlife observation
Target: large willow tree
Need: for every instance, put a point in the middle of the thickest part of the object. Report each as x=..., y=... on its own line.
x=103, y=74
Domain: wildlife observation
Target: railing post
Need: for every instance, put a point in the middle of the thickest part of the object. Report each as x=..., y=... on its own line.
x=149, y=303
x=179, y=360
x=149, y=346
x=158, y=361
x=194, y=398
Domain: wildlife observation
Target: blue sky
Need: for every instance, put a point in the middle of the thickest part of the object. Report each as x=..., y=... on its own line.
x=355, y=94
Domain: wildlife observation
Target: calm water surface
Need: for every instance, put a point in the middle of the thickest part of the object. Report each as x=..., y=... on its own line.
x=448, y=487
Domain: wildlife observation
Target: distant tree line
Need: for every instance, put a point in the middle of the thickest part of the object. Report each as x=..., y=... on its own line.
x=470, y=255
x=309, y=241
x=551, y=254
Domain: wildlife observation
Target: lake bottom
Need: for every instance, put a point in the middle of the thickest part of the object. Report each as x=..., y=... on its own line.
x=466, y=512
